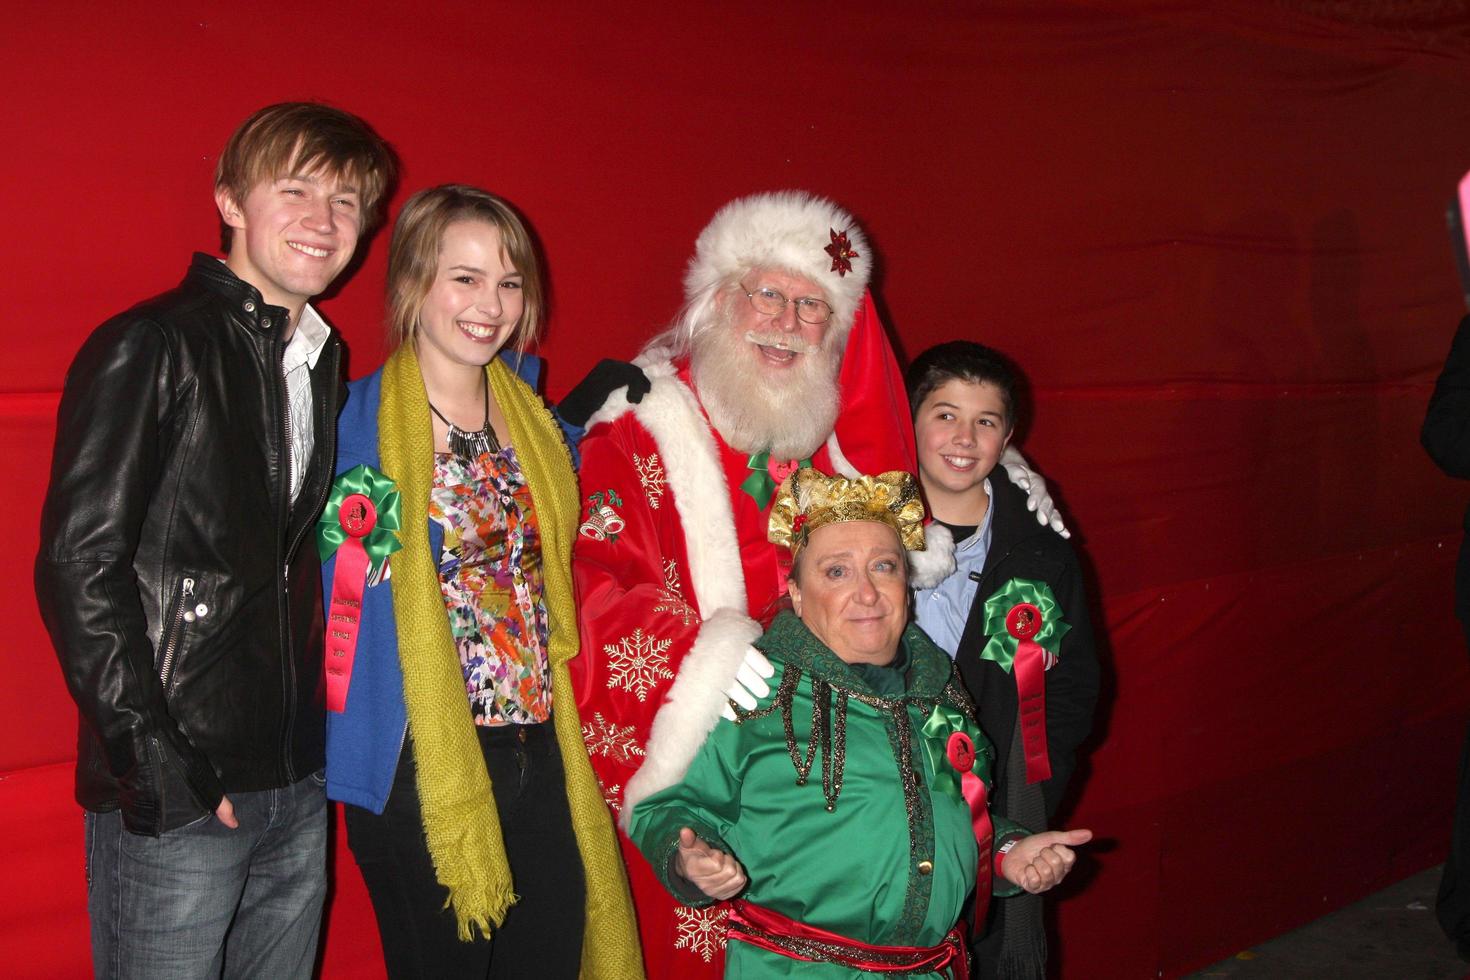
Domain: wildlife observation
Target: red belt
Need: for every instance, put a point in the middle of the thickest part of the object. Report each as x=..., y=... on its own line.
x=775, y=932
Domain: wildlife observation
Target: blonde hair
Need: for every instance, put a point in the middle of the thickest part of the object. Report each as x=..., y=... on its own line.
x=413, y=255
x=304, y=138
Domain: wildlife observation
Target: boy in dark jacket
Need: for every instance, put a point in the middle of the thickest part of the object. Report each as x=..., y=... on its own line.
x=1013, y=614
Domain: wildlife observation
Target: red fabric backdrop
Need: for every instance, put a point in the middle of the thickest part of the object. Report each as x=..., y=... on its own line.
x=1211, y=232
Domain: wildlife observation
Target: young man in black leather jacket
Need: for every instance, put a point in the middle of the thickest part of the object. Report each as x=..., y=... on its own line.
x=194, y=448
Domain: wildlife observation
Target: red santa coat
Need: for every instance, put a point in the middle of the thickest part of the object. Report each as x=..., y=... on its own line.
x=674, y=575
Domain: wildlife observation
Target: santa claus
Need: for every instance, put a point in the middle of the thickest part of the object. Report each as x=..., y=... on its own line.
x=777, y=361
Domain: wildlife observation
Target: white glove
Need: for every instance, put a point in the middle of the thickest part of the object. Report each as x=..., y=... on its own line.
x=1037, y=499
x=750, y=682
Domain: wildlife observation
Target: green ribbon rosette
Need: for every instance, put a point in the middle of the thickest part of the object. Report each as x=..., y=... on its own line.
x=382, y=492
x=943, y=722
x=1022, y=592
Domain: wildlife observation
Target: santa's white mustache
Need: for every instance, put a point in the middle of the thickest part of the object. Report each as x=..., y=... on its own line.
x=781, y=341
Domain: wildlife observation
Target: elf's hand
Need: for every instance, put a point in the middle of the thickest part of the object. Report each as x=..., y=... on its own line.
x=707, y=868
x=1039, y=863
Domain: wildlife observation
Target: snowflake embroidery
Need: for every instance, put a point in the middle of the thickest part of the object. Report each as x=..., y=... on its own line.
x=613, y=797
x=617, y=742
x=674, y=604
x=671, y=597
x=638, y=663
x=651, y=475
x=701, y=931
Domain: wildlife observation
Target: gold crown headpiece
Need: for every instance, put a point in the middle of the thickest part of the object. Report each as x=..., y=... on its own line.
x=808, y=500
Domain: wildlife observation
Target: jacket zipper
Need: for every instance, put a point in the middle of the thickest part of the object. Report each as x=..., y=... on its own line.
x=287, y=647
x=289, y=446
x=175, y=633
x=155, y=749
x=283, y=607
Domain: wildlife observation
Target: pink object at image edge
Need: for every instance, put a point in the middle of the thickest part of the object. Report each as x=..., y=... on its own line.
x=1464, y=191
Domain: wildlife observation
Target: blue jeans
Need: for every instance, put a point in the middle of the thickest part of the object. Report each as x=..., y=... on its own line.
x=208, y=901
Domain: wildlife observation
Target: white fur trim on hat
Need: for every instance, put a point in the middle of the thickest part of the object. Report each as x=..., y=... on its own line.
x=787, y=230
x=936, y=562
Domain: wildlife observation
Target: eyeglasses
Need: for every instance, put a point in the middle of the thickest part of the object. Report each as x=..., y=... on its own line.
x=772, y=303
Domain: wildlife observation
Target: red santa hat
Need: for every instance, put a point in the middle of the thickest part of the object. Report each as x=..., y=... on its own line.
x=793, y=231
x=874, y=433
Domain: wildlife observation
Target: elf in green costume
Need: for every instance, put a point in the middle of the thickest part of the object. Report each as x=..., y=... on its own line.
x=846, y=816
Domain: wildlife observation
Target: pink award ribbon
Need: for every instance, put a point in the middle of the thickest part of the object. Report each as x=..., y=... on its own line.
x=358, y=527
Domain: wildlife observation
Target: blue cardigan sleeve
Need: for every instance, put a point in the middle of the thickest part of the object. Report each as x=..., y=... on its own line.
x=528, y=368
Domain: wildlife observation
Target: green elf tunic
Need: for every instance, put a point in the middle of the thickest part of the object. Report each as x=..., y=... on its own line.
x=877, y=844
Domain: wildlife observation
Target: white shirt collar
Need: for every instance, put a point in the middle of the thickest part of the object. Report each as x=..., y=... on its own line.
x=308, y=339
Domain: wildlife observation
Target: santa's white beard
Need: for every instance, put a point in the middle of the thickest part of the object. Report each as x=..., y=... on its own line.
x=790, y=413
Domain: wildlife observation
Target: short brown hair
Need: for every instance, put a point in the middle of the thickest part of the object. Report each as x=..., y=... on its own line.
x=418, y=235
x=967, y=361
x=303, y=138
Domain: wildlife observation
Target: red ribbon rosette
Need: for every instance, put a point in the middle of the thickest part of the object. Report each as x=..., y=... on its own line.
x=961, y=752
x=1024, y=623
x=359, y=526
x=946, y=726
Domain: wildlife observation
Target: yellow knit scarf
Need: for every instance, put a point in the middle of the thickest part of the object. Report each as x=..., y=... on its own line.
x=460, y=820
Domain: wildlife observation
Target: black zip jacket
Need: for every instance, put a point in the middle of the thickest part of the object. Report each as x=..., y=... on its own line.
x=168, y=540
x=1021, y=548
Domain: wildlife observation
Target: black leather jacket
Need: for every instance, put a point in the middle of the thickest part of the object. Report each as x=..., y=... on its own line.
x=168, y=540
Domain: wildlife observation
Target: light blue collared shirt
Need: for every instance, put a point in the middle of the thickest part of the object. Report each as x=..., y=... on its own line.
x=942, y=611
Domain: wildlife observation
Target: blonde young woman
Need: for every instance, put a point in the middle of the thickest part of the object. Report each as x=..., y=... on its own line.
x=471, y=808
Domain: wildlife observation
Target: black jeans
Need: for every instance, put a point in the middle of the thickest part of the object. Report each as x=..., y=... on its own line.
x=542, y=933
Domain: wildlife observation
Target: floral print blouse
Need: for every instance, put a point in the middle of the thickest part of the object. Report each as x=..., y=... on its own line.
x=490, y=575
